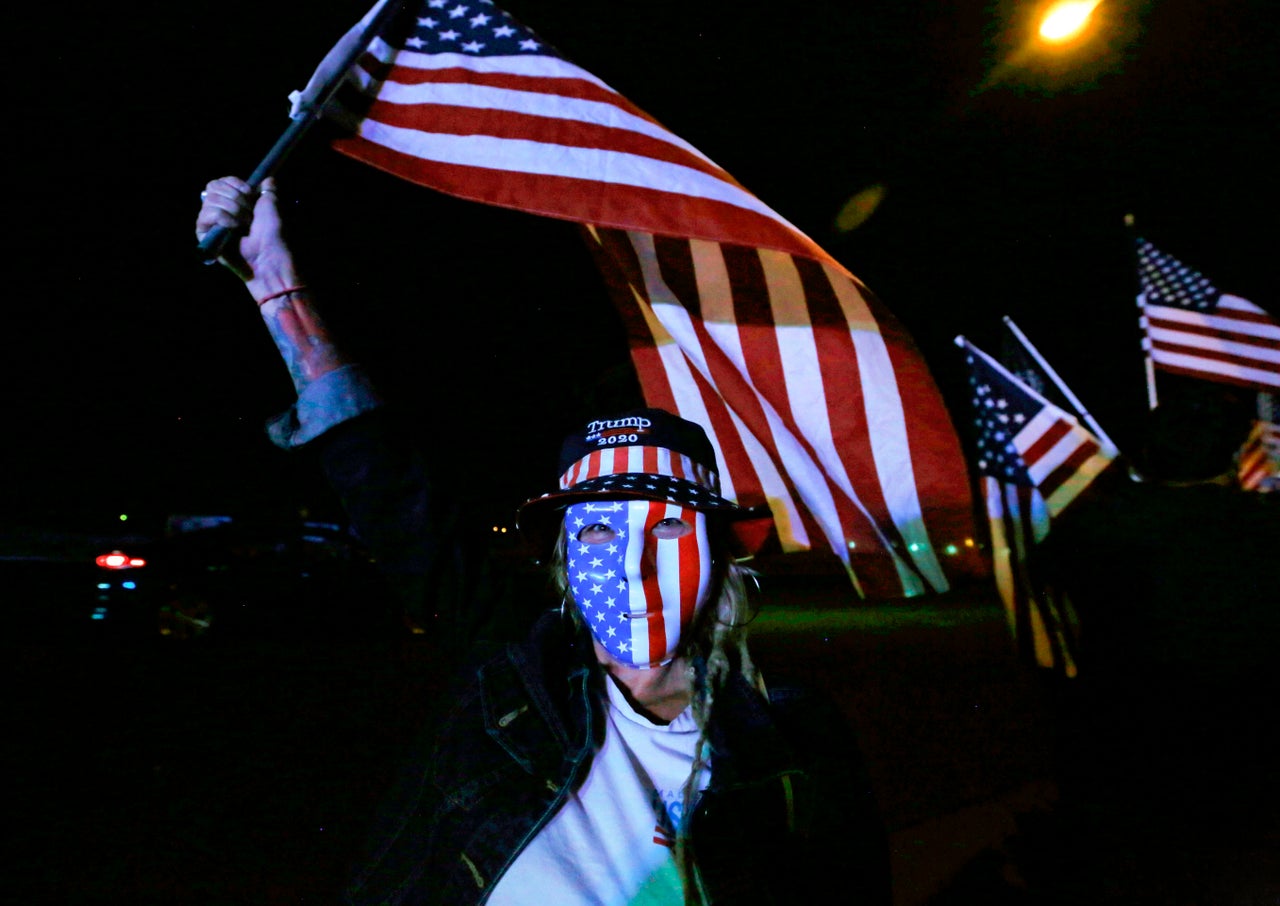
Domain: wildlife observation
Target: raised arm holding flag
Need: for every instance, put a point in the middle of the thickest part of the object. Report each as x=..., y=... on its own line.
x=308, y=108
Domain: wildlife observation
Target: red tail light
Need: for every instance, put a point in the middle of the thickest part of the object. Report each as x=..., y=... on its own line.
x=119, y=560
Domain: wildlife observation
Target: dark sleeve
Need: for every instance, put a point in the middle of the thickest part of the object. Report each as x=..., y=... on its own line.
x=790, y=815
x=844, y=832
x=447, y=582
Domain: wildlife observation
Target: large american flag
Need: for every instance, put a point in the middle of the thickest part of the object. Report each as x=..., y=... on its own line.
x=1192, y=328
x=816, y=399
x=1034, y=459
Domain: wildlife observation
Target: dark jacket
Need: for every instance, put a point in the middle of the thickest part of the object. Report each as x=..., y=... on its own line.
x=788, y=816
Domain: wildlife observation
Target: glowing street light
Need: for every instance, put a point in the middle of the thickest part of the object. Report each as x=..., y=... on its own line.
x=1038, y=58
x=1066, y=19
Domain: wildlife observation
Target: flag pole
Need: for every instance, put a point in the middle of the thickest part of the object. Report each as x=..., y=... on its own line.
x=210, y=247
x=1148, y=364
x=308, y=108
x=1061, y=384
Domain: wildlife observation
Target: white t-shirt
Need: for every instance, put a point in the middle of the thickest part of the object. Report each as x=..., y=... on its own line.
x=612, y=842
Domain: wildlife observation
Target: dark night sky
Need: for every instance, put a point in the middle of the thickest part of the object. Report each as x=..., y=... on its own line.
x=139, y=378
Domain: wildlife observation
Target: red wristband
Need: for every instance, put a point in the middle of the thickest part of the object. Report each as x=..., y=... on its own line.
x=300, y=288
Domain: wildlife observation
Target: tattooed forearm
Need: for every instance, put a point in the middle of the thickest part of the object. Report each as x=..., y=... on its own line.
x=302, y=339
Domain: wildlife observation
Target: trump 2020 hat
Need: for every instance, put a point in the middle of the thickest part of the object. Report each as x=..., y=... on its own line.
x=644, y=454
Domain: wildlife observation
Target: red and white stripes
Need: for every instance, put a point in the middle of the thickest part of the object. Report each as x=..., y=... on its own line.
x=540, y=134
x=666, y=579
x=785, y=362
x=638, y=460
x=1237, y=343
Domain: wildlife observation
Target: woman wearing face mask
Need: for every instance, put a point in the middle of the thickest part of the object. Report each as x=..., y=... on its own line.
x=626, y=751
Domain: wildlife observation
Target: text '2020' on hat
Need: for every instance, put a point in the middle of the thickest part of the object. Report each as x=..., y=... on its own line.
x=644, y=454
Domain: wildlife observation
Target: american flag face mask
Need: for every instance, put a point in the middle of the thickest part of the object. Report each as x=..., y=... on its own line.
x=637, y=591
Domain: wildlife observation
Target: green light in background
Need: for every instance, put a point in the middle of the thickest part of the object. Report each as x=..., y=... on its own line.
x=124, y=517
x=951, y=549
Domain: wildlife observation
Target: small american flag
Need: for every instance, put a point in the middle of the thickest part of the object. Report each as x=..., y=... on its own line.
x=737, y=320
x=1035, y=460
x=1192, y=328
x=1259, y=456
